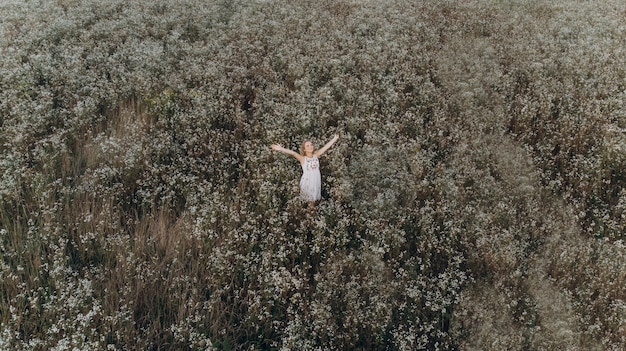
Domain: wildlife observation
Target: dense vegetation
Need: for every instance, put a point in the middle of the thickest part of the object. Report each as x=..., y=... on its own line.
x=475, y=200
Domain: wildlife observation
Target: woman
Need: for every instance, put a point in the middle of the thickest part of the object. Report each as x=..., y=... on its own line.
x=311, y=181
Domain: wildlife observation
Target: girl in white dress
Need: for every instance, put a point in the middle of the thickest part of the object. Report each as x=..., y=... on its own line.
x=311, y=181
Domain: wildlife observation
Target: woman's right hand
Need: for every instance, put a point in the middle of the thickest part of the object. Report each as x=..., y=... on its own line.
x=276, y=147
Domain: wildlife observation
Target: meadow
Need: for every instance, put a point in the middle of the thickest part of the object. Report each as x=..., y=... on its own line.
x=474, y=201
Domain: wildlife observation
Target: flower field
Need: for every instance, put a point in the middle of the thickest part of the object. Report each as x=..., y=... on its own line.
x=474, y=201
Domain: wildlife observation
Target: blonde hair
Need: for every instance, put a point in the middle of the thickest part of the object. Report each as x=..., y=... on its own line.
x=302, y=152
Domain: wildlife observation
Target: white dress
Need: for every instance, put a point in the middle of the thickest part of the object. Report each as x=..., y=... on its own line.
x=311, y=181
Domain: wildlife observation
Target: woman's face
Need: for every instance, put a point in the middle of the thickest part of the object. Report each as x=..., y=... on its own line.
x=309, y=147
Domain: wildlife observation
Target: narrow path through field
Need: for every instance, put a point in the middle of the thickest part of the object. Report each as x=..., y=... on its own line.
x=557, y=328
x=519, y=306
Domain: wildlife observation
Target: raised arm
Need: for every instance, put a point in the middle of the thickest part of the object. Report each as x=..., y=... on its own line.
x=279, y=148
x=324, y=148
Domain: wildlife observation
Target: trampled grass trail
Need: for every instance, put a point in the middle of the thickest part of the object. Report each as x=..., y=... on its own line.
x=523, y=301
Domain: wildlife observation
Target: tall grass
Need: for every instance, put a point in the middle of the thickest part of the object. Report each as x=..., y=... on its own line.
x=475, y=199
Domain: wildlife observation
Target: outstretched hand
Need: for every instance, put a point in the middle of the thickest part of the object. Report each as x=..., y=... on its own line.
x=276, y=147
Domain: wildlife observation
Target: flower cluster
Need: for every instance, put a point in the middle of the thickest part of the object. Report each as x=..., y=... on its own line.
x=475, y=199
